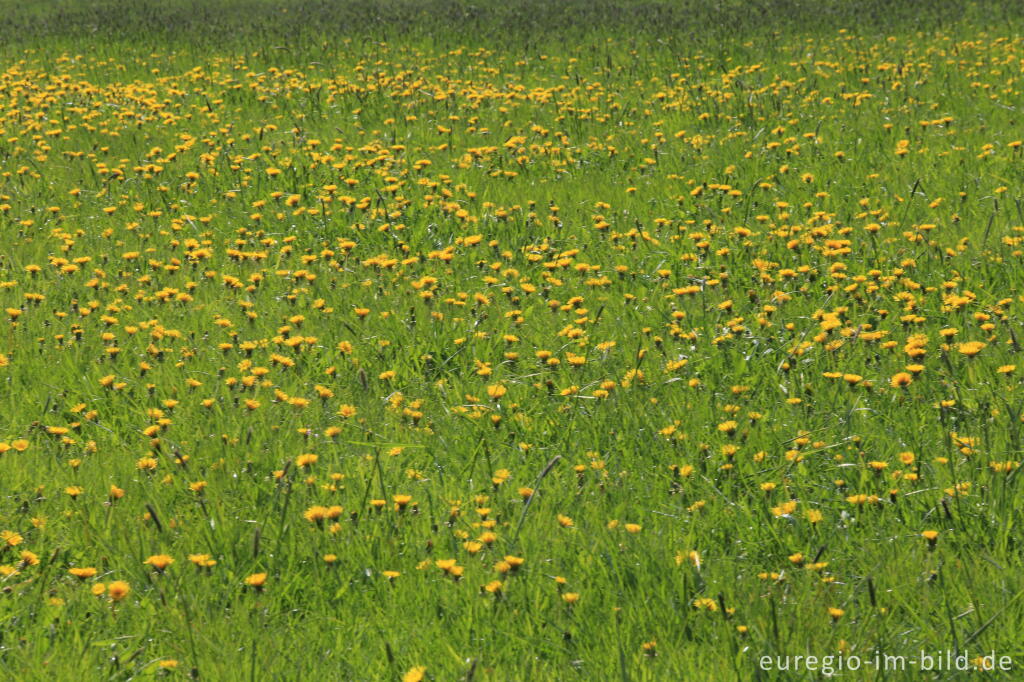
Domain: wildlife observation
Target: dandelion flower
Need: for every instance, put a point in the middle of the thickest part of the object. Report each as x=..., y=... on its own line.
x=971, y=348
x=415, y=674
x=159, y=562
x=256, y=581
x=82, y=573
x=118, y=590
x=901, y=380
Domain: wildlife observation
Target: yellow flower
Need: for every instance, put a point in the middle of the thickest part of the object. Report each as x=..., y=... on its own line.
x=705, y=604
x=693, y=556
x=256, y=581
x=901, y=379
x=514, y=563
x=159, y=562
x=446, y=565
x=415, y=674
x=118, y=590
x=971, y=348
x=306, y=460
x=785, y=509
x=82, y=573
x=202, y=560
x=10, y=538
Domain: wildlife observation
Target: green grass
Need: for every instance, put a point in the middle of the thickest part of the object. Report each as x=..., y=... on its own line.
x=734, y=227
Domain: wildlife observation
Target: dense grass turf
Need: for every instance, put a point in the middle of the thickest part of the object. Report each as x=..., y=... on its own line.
x=515, y=340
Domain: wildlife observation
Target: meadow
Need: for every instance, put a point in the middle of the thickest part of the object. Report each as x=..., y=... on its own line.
x=616, y=340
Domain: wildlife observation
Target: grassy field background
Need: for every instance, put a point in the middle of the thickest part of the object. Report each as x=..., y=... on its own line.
x=579, y=340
